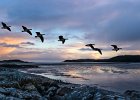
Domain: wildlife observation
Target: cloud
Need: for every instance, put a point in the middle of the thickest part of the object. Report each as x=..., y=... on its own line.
x=116, y=21
x=27, y=43
x=16, y=45
x=121, y=24
x=92, y=21
x=85, y=49
x=36, y=55
x=9, y=45
x=11, y=38
x=5, y=51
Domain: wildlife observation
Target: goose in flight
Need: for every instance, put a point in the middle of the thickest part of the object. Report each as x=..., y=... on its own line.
x=95, y=49
x=40, y=36
x=115, y=48
x=25, y=29
x=61, y=38
x=4, y=26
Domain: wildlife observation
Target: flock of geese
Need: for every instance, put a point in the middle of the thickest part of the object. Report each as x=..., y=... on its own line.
x=61, y=38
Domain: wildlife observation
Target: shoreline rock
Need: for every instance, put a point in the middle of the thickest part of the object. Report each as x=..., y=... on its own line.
x=17, y=85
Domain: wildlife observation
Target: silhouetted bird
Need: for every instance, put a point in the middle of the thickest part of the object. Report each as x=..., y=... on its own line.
x=90, y=45
x=61, y=38
x=115, y=48
x=96, y=49
x=40, y=36
x=25, y=29
x=4, y=26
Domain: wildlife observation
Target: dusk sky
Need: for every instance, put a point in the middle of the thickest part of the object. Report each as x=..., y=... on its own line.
x=101, y=22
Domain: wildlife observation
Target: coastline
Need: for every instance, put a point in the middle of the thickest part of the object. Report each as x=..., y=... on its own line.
x=20, y=86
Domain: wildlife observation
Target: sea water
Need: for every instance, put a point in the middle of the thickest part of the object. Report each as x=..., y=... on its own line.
x=117, y=77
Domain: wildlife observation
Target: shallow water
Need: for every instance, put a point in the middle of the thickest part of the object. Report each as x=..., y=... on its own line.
x=116, y=77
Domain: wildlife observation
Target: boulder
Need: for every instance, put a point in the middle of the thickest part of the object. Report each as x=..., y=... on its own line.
x=132, y=94
x=9, y=84
x=12, y=98
x=62, y=91
x=12, y=92
x=50, y=92
x=3, y=91
x=26, y=95
x=35, y=95
x=29, y=87
x=2, y=96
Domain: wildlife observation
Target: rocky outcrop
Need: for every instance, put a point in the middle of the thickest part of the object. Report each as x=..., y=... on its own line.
x=15, y=85
x=132, y=95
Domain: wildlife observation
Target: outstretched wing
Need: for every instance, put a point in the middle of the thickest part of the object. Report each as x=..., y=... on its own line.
x=42, y=38
x=29, y=32
x=89, y=44
x=8, y=28
x=92, y=47
x=3, y=24
x=115, y=46
x=63, y=41
x=99, y=50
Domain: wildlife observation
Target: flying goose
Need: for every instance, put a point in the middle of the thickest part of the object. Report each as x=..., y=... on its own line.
x=4, y=26
x=95, y=49
x=25, y=29
x=61, y=38
x=115, y=48
x=40, y=36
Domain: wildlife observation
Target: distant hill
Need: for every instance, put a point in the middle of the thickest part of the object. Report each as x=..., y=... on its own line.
x=13, y=61
x=122, y=58
x=17, y=64
x=125, y=58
